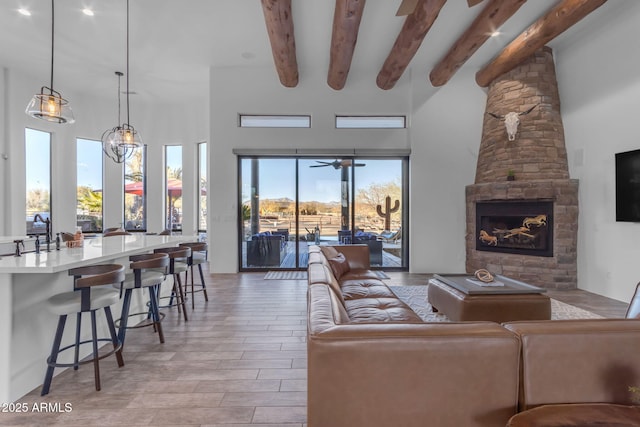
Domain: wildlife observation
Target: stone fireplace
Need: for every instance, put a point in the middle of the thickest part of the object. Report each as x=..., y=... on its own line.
x=515, y=240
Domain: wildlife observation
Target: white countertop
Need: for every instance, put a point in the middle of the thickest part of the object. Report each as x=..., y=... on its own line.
x=94, y=251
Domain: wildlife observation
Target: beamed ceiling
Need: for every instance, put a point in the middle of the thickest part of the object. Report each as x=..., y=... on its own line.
x=175, y=43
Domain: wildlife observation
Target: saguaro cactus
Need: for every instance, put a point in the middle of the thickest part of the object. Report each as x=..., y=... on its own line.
x=388, y=211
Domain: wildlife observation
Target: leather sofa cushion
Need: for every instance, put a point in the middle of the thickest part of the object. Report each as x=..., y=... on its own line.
x=577, y=361
x=369, y=310
x=365, y=288
x=329, y=251
x=339, y=265
x=358, y=274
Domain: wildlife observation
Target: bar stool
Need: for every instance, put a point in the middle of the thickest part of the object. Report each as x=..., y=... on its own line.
x=148, y=271
x=198, y=257
x=177, y=266
x=85, y=298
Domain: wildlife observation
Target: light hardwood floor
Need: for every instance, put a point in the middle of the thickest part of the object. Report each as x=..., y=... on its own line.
x=240, y=360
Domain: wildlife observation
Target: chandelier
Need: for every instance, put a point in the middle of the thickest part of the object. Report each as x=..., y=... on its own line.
x=49, y=105
x=121, y=142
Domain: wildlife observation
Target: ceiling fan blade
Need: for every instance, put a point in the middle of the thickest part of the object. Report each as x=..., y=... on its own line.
x=319, y=166
x=472, y=3
x=360, y=164
x=407, y=7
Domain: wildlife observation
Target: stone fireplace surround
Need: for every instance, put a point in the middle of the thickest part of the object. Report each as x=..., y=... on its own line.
x=539, y=160
x=556, y=272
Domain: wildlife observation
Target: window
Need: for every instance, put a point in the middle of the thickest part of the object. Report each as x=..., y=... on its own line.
x=257, y=121
x=38, y=178
x=135, y=187
x=89, y=185
x=173, y=187
x=371, y=122
x=202, y=180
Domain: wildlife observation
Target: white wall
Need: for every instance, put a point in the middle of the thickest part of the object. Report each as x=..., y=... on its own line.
x=240, y=90
x=446, y=129
x=600, y=100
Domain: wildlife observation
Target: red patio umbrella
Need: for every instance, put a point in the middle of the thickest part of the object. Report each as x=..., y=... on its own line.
x=174, y=188
x=174, y=191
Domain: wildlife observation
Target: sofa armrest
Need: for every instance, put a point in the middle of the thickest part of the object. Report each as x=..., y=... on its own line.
x=578, y=361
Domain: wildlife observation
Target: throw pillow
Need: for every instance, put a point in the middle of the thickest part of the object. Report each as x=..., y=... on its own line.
x=339, y=266
x=329, y=251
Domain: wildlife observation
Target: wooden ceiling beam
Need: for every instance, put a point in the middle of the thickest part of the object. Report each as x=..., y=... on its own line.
x=346, y=23
x=490, y=19
x=277, y=16
x=415, y=28
x=553, y=23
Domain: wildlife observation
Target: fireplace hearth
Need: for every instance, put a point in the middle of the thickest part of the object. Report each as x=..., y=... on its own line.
x=515, y=227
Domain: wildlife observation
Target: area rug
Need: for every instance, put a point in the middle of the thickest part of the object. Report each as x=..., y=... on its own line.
x=416, y=298
x=286, y=275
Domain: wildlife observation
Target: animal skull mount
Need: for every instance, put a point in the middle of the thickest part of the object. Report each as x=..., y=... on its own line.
x=511, y=121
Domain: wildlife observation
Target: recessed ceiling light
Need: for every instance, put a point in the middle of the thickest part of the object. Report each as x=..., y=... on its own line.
x=24, y=12
x=495, y=33
x=87, y=11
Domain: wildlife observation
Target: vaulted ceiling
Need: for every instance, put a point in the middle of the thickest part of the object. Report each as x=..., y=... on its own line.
x=174, y=43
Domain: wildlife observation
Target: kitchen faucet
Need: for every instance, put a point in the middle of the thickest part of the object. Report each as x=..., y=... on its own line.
x=47, y=223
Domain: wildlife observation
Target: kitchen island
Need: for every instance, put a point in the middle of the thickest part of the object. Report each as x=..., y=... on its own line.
x=26, y=282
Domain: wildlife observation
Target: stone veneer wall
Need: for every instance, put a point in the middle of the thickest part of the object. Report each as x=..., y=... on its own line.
x=538, y=151
x=539, y=159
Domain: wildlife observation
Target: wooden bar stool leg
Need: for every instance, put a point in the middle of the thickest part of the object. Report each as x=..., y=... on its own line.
x=51, y=361
x=114, y=337
x=155, y=313
x=204, y=287
x=94, y=337
x=124, y=316
x=193, y=300
x=180, y=296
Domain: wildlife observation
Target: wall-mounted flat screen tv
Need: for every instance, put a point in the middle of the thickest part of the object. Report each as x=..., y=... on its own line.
x=628, y=186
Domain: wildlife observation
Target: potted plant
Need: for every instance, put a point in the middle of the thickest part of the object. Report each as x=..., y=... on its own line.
x=511, y=175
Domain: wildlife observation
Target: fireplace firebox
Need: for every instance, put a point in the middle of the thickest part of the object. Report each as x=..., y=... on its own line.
x=521, y=227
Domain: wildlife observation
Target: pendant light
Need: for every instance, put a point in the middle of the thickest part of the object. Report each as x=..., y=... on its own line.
x=49, y=105
x=121, y=142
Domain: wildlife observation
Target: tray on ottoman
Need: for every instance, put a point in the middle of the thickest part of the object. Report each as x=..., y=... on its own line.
x=462, y=300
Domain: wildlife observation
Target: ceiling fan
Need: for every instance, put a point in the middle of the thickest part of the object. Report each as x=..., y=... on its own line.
x=337, y=164
x=407, y=7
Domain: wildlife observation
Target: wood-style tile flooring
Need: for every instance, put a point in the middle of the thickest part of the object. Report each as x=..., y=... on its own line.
x=240, y=360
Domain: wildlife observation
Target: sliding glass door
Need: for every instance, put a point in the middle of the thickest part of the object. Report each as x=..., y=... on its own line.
x=288, y=204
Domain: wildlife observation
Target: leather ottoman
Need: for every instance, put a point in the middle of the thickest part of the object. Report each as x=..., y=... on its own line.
x=500, y=308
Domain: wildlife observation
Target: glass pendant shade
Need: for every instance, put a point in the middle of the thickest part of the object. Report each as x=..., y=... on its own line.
x=49, y=105
x=121, y=142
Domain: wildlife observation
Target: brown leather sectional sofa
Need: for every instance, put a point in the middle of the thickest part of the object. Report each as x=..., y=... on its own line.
x=373, y=362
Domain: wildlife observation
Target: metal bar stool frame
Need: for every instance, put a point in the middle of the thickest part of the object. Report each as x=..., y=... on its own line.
x=157, y=265
x=175, y=269
x=84, y=278
x=196, y=248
